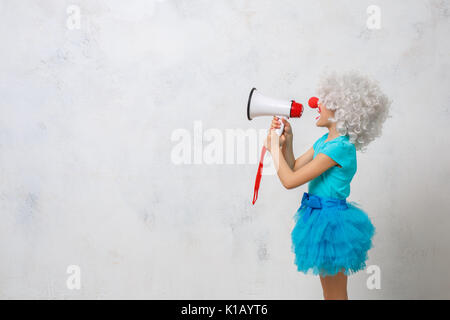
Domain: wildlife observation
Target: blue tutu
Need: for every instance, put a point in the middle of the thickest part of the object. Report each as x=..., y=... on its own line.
x=330, y=235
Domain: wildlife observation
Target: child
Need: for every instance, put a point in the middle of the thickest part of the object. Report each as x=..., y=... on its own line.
x=331, y=236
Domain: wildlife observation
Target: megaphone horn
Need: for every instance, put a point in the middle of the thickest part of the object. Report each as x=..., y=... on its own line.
x=259, y=105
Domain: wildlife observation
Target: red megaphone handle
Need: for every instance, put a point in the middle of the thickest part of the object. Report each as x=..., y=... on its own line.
x=258, y=175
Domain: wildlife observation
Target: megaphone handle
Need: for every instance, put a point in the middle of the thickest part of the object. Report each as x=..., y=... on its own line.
x=279, y=131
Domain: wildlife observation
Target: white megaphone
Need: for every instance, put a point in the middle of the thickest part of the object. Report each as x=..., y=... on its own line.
x=259, y=105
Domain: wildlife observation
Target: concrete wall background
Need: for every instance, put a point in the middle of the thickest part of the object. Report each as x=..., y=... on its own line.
x=86, y=118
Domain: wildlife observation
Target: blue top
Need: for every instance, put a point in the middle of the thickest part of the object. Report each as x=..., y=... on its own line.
x=335, y=182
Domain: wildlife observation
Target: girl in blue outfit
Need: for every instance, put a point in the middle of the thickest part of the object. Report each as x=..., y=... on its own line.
x=332, y=236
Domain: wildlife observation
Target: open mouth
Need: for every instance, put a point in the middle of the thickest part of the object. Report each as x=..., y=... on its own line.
x=319, y=114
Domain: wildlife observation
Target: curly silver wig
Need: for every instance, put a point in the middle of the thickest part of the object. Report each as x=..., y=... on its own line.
x=360, y=106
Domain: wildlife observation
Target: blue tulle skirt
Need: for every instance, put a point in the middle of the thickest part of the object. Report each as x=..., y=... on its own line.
x=330, y=235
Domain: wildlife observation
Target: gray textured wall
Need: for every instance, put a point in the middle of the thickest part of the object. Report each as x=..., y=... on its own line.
x=87, y=117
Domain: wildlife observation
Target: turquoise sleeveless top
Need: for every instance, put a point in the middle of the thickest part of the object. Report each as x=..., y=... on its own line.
x=335, y=182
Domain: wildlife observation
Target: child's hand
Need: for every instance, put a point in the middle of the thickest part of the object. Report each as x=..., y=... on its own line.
x=272, y=140
x=287, y=133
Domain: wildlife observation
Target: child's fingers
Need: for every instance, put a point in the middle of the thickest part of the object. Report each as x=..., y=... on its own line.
x=287, y=125
x=274, y=126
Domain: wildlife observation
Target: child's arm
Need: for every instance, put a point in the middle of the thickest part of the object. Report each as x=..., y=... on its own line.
x=286, y=137
x=288, y=152
x=304, y=159
x=293, y=163
x=292, y=179
x=287, y=148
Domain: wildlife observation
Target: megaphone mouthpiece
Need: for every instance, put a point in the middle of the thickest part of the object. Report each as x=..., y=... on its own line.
x=296, y=109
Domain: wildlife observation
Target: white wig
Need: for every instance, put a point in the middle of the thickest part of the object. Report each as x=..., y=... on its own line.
x=360, y=106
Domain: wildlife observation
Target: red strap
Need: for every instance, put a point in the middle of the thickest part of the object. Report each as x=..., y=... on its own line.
x=258, y=175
